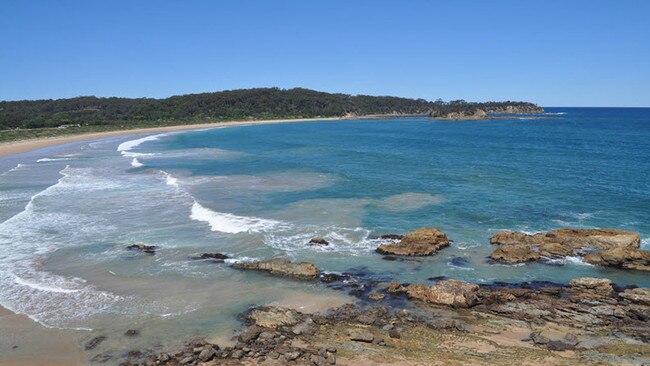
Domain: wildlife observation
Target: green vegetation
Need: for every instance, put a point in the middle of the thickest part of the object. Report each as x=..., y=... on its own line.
x=38, y=118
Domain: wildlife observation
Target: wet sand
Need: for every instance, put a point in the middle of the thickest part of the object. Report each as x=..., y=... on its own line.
x=17, y=147
x=26, y=343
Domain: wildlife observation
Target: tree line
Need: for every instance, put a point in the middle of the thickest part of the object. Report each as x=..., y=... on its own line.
x=258, y=103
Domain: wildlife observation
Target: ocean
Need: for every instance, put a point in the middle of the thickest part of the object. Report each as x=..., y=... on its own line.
x=261, y=191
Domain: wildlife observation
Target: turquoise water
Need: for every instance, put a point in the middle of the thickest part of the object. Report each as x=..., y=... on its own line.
x=262, y=191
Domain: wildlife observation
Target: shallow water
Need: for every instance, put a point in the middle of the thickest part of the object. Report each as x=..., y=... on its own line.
x=67, y=213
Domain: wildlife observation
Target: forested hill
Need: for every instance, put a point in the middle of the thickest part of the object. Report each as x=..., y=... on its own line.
x=261, y=103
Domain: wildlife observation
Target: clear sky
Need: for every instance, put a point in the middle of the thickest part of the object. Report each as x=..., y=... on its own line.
x=554, y=53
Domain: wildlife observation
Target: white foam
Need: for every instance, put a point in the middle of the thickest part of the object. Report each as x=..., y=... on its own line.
x=240, y=260
x=576, y=260
x=42, y=287
x=170, y=180
x=230, y=223
x=46, y=160
x=294, y=238
x=136, y=163
x=48, y=298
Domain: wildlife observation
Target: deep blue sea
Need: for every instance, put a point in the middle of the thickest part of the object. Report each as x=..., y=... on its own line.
x=66, y=213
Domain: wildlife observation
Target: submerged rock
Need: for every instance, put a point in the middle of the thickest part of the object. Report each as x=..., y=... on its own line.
x=626, y=258
x=132, y=332
x=421, y=242
x=446, y=292
x=574, y=239
x=217, y=257
x=514, y=254
x=94, y=342
x=148, y=249
x=281, y=267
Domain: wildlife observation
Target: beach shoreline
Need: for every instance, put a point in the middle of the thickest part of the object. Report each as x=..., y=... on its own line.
x=23, y=146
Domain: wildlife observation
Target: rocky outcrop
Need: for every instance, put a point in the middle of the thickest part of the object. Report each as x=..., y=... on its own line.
x=590, y=303
x=421, y=242
x=618, y=248
x=625, y=258
x=147, y=249
x=528, y=108
x=574, y=239
x=637, y=295
x=446, y=292
x=514, y=254
x=278, y=336
x=281, y=267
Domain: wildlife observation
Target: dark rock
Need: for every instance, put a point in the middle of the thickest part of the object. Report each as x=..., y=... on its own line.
x=186, y=360
x=250, y=334
x=94, y=342
x=132, y=333
x=558, y=346
x=332, y=277
x=291, y=355
x=148, y=249
x=318, y=241
x=571, y=339
x=538, y=338
x=394, y=333
x=102, y=357
x=391, y=237
x=459, y=262
x=216, y=257
x=207, y=354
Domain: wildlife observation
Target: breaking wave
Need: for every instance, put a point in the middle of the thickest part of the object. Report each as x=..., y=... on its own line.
x=230, y=223
x=126, y=147
x=136, y=163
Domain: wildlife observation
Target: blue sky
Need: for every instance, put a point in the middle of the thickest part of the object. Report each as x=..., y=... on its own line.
x=555, y=53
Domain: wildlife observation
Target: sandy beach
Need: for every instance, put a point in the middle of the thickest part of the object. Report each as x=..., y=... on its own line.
x=22, y=146
x=25, y=342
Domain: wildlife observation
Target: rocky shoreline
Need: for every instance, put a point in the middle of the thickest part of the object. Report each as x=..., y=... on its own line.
x=586, y=322
x=444, y=321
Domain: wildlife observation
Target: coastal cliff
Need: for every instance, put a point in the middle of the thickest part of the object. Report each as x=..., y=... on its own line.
x=474, y=111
